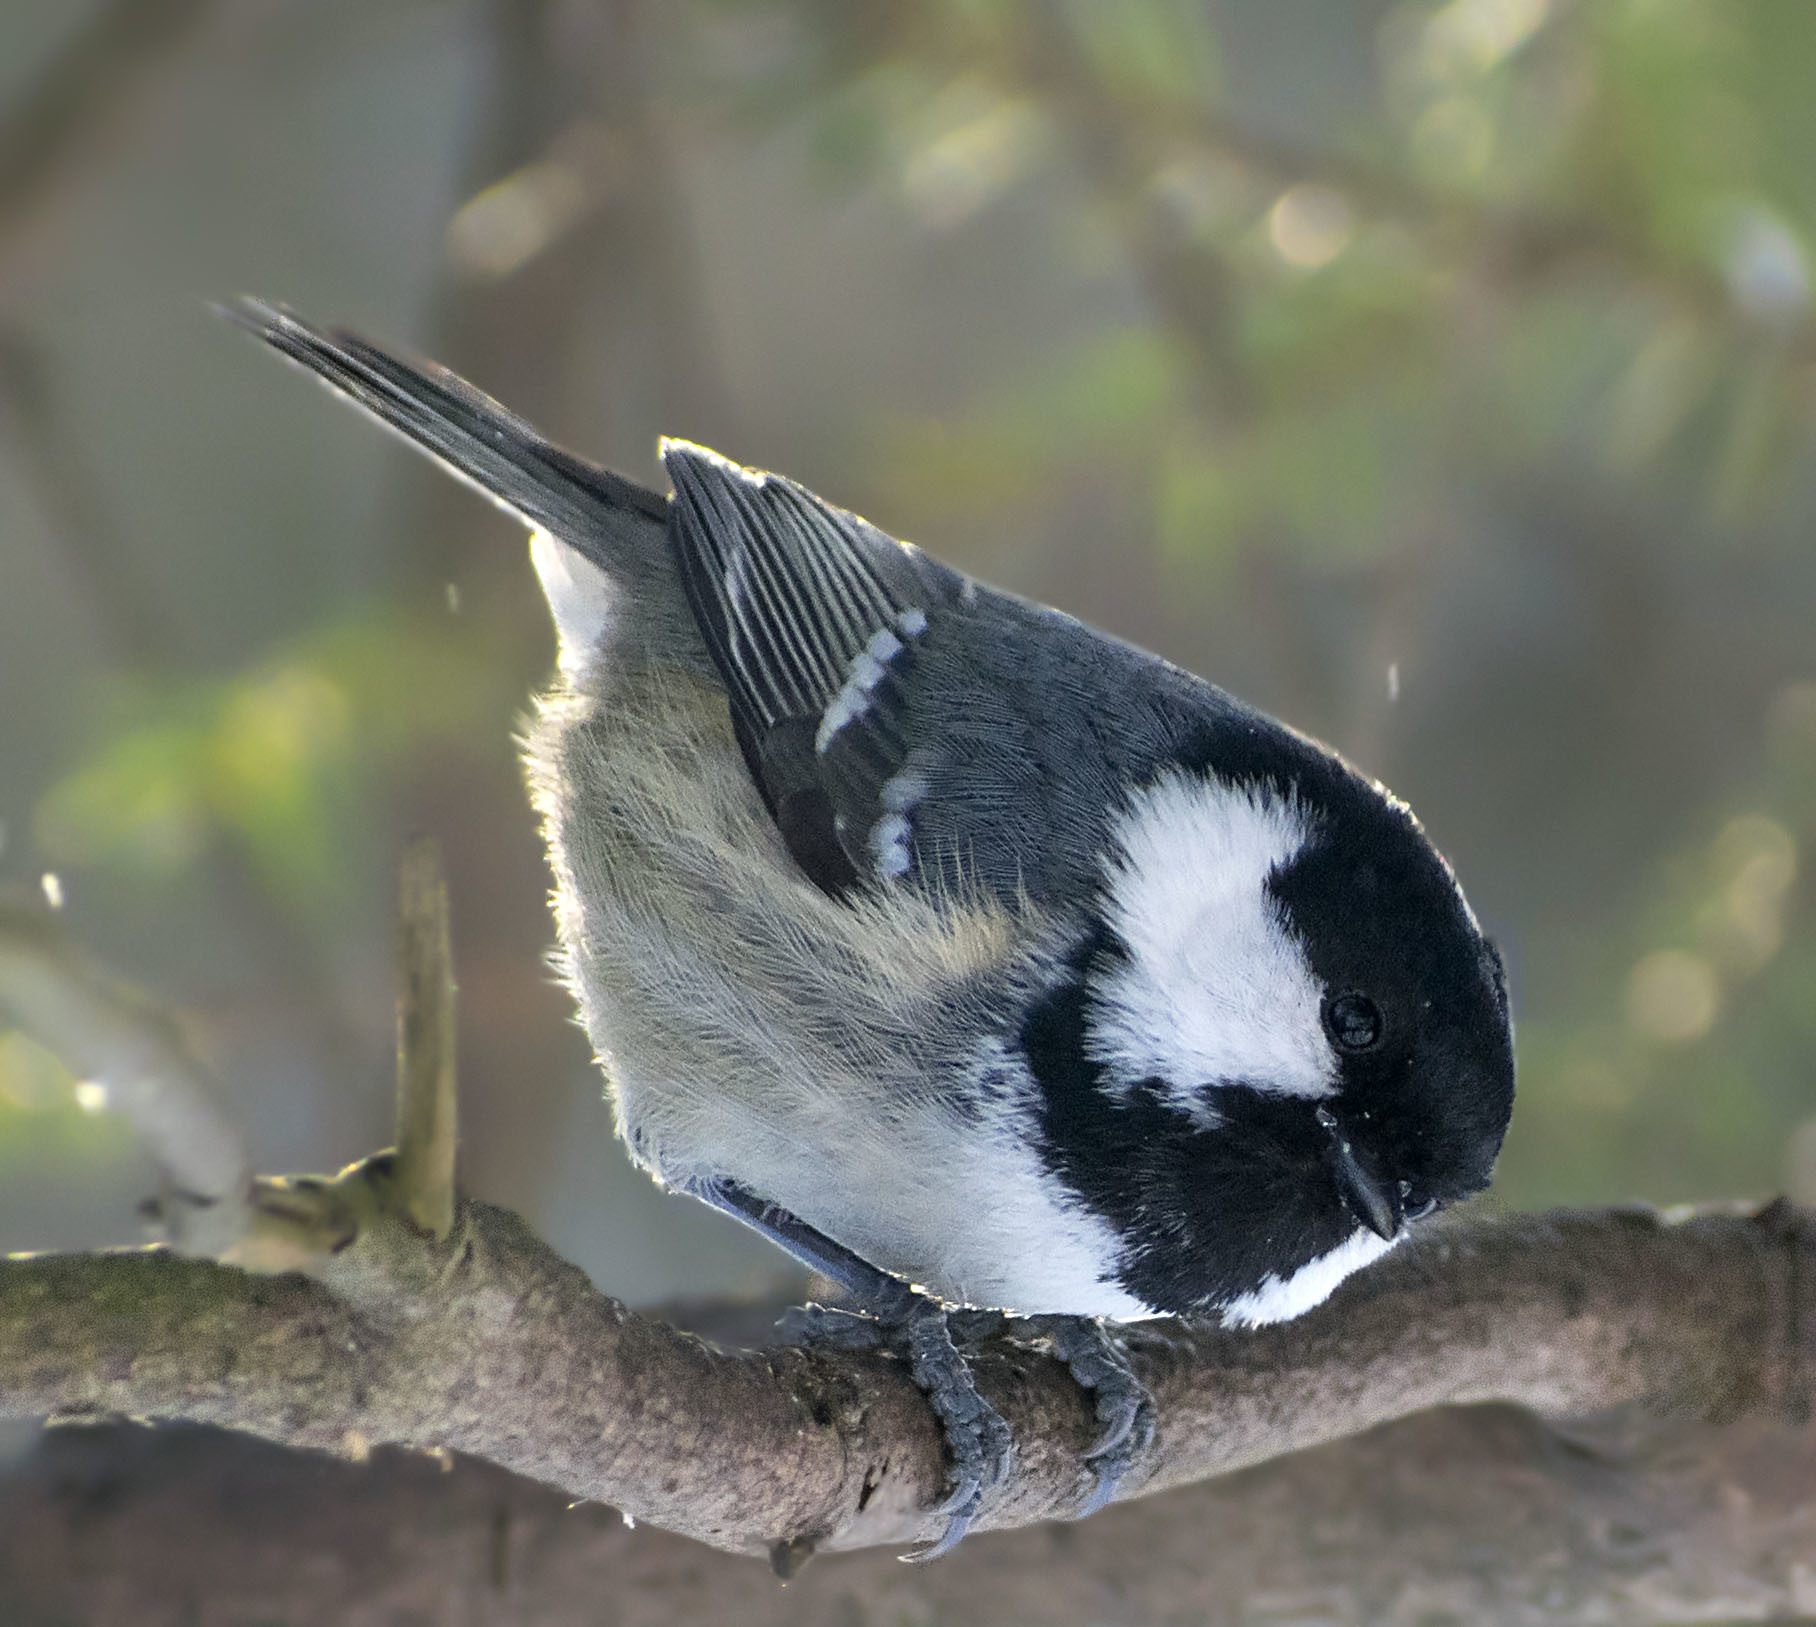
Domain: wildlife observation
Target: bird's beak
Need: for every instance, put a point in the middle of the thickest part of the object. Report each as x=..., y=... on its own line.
x=1373, y=1201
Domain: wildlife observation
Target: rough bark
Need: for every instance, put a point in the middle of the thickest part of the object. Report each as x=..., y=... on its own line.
x=1457, y=1516
x=491, y=1345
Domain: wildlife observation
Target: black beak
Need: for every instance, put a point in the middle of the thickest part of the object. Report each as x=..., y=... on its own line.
x=1374, y=1202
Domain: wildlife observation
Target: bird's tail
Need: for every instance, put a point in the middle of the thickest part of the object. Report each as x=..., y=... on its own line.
x=465, y=429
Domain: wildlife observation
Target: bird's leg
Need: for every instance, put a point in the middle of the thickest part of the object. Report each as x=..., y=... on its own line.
x=1125, y=1410
x=902, y=1319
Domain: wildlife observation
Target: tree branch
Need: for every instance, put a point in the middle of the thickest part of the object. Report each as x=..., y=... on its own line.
x=490, y=1345
x=1466, y=1514
x=426, y=1098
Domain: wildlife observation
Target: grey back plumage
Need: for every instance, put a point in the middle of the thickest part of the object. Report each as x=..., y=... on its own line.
x=904, y=725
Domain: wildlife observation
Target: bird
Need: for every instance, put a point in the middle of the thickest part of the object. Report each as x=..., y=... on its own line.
x=977, y=958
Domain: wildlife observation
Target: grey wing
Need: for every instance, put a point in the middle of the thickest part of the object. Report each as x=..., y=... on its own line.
x=904, y=725
x=812, y=617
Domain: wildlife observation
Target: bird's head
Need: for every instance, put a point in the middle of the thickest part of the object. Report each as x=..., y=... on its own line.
x=1290, y=1038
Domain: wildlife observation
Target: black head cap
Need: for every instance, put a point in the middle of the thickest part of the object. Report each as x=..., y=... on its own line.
x=1415, y=1003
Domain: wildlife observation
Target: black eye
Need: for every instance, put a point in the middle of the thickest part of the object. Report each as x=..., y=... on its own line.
x=1414, y=1204
x=1354, y=1021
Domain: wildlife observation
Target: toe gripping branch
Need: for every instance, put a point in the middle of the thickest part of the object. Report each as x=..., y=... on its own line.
x=1125, y=1411
x=897, y=1317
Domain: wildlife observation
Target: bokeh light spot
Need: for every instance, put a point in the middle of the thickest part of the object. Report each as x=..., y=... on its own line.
x=1310, y=225
x=506, y=225
x=953, y=176
x=503, y=228
x=1755, y=862
x=1468, y=37
x=1764, y=265
x=1673, y=996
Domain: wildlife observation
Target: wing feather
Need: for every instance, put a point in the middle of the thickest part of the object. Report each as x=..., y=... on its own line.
x=811, y=615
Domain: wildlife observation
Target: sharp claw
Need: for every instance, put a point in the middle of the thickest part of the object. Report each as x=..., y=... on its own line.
x=1119, y=1430
x=961, y=1502
x=979, y=1441
x=950, y=1538
x=1124, y=1411
x=1101, y=1493
x=1112, y=1437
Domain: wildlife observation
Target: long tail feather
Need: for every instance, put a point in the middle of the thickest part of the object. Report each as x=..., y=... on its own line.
x=465, y=429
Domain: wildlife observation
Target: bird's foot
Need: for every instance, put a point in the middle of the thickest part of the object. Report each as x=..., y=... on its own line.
x=978, y=1438
x=1125, y=1410
x=920, y=1331
x=830, y=1327
x=902, y=1320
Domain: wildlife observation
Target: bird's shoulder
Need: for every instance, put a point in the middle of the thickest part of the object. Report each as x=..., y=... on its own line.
x=905, y=724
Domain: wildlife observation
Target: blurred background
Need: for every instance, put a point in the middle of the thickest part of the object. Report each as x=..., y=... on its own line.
x=1440, y=377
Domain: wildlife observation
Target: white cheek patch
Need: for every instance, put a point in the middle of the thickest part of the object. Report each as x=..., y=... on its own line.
x=581, y=599
x=1216, y=989
x=1280, y=1299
